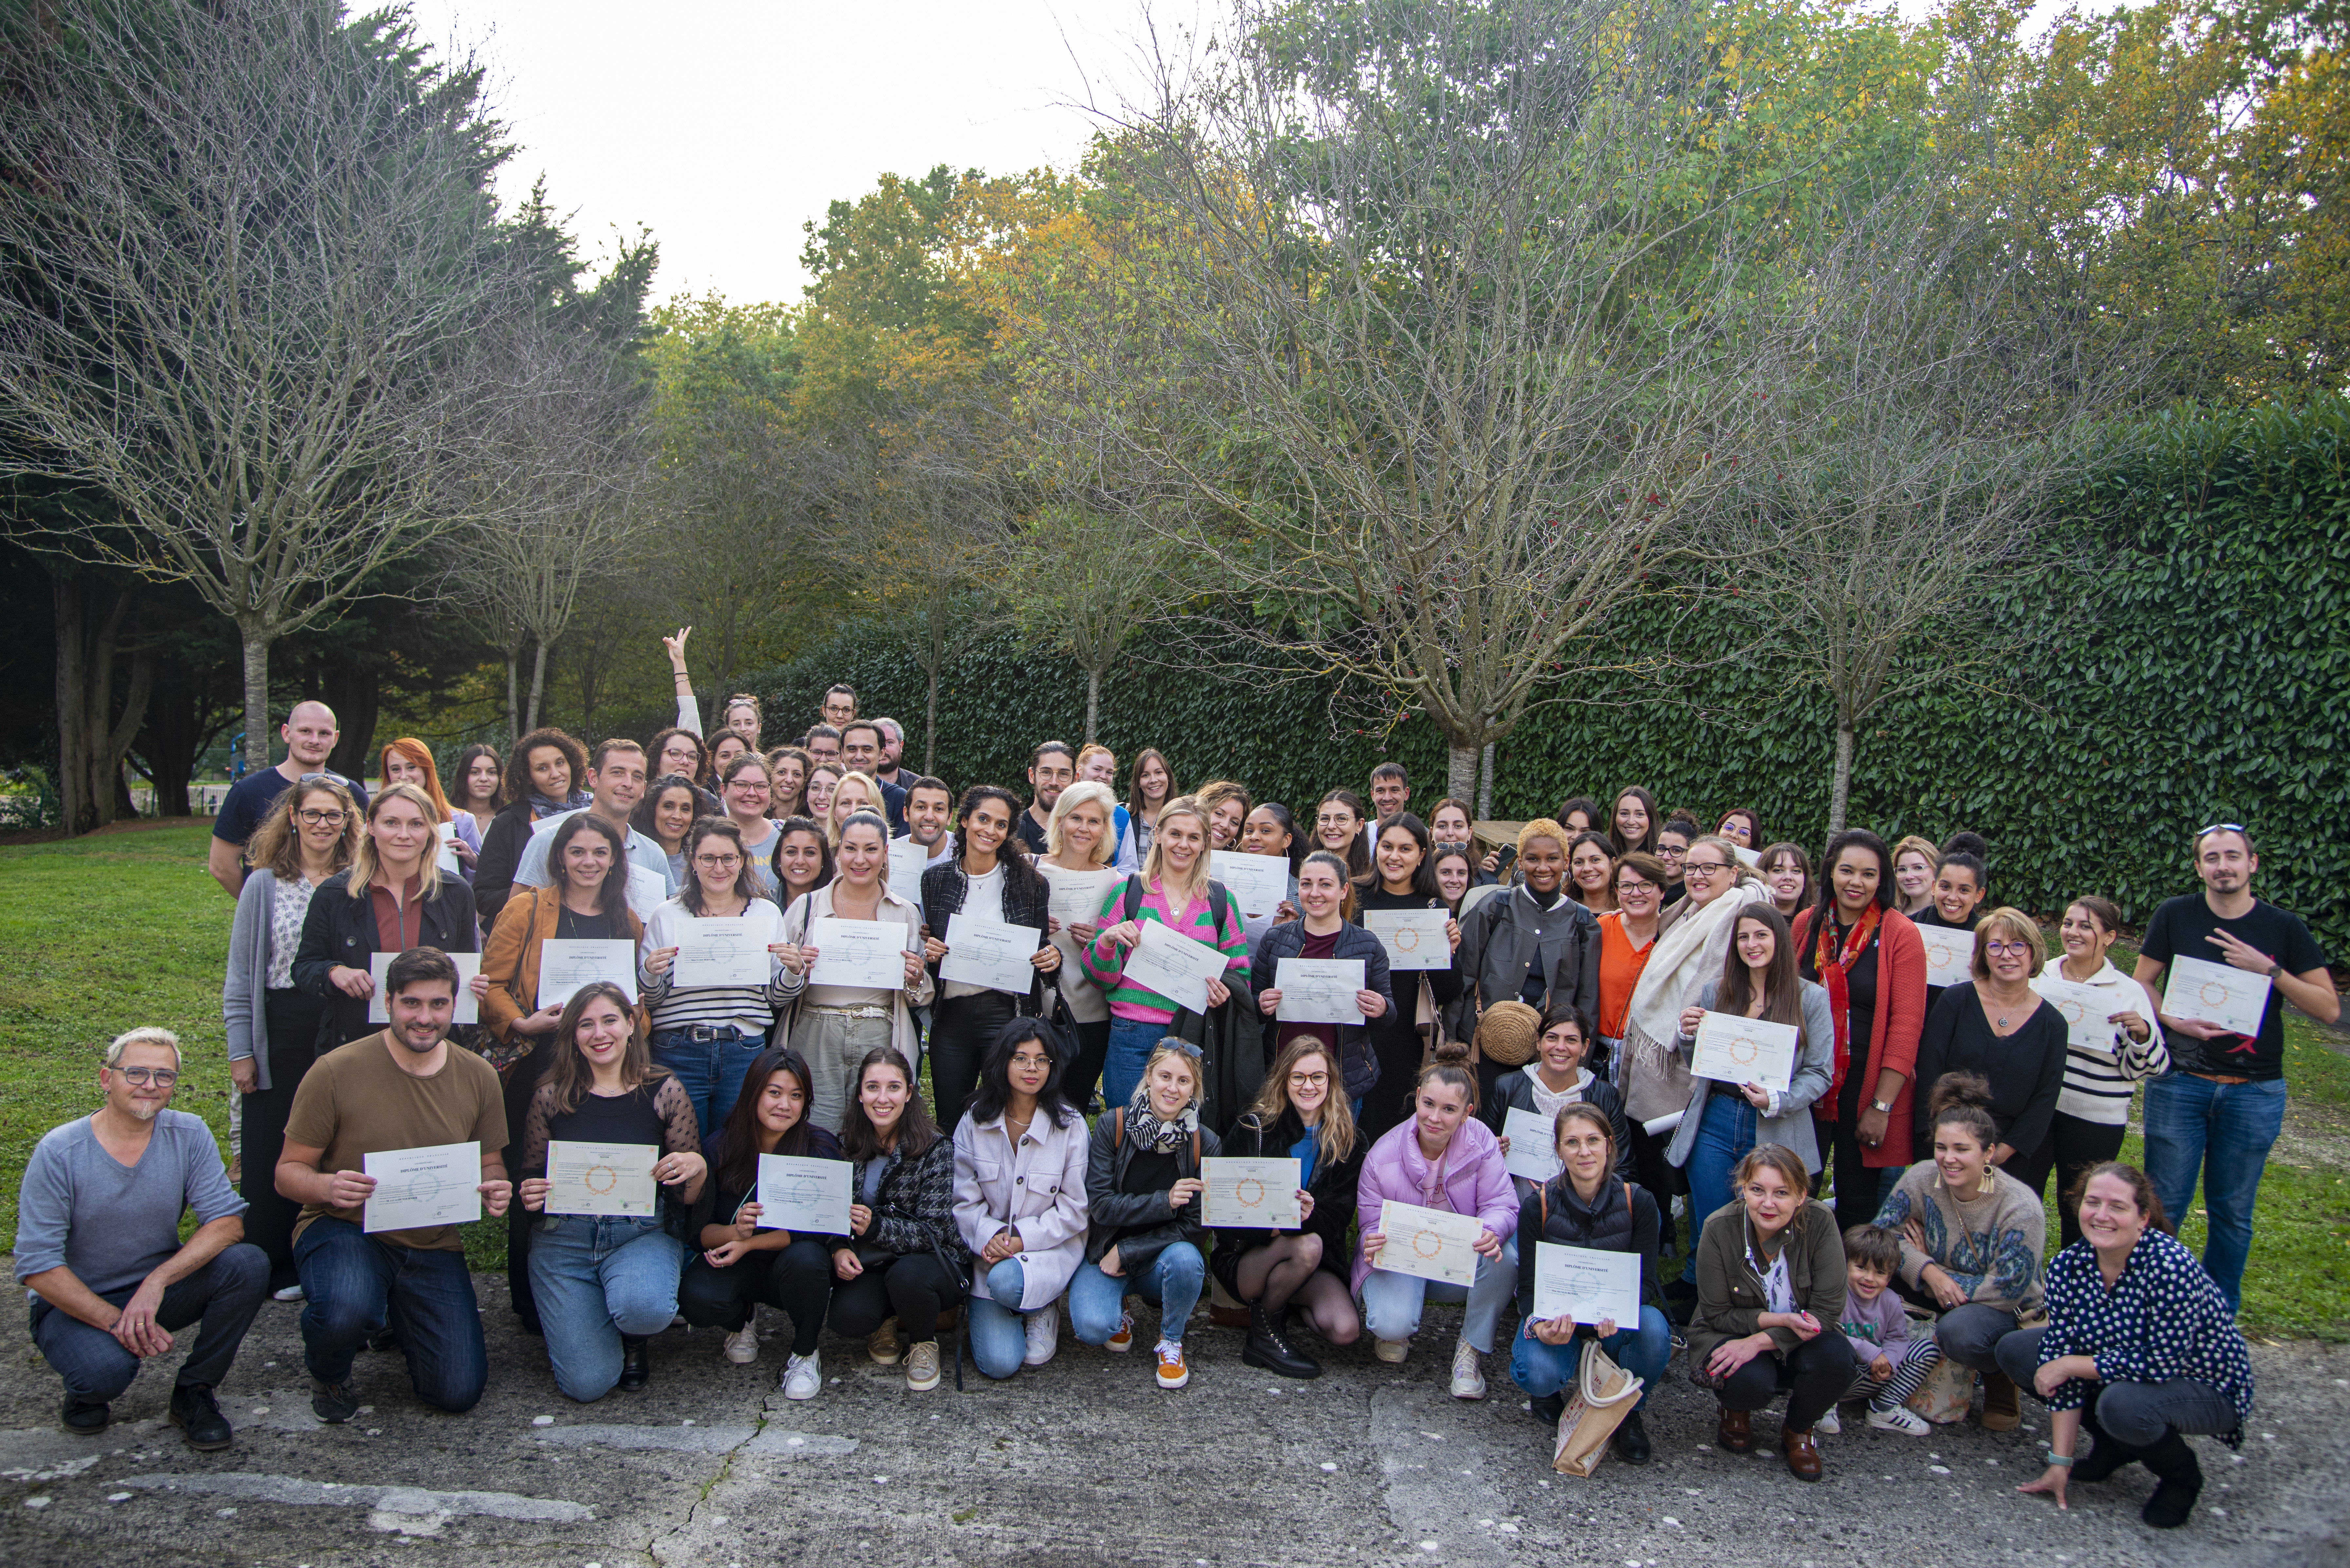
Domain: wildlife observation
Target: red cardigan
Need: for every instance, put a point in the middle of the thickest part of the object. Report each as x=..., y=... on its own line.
x=1900, y=1019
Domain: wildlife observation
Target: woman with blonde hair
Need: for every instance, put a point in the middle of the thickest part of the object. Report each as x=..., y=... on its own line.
x=1080, y=850
x=1228, y=806
x=410, y=760
x=309, y=834
x=1172, y=889
x=1914, y=861
x=856, y=791
x=391, y=899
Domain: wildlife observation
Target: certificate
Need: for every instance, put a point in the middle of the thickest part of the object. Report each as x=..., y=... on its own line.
x=797, y=1194
x=1587, y=1284
x=2234, y=998
x=1735, y=1050
x=721, y=949
x=1950, y=954
x=648, y=892
x=1258, y=883
x=565, y=964
x=1174, y=966
x=468, y=1011
x=866, y=955
x=1077, y=896
x=417, y=1189
x=1747, y=857
x=1319, y=990
x=600, y=1178
x=1429, y=1243
x=990, y=953
x=1533, y=1145
x=1254, y=1194
x=447, y=832
x=908, y=861
x=2085, y=1009
x=1415, y=938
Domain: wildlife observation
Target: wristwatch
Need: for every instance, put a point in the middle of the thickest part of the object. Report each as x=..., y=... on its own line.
x=1880, y=1106
x=2275, y=969
x=2063, y=1462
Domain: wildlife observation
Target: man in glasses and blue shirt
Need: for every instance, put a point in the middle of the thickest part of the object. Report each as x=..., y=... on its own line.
x=2217, y=1111
x=98, y=1248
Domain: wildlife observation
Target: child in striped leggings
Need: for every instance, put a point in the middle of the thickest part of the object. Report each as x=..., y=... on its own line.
x=1893, y=1365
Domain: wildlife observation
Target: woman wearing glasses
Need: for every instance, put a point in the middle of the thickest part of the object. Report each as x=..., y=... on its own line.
x=1338, y=828
x=707, y=1035
x=1997, y=1026
x=747, y=789
x=1672, y=854
x=272, y=1025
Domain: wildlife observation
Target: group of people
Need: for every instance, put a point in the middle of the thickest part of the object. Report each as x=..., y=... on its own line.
x=1055, y=1157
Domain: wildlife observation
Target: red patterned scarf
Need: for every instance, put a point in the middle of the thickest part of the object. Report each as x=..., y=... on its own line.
x=1836, y=970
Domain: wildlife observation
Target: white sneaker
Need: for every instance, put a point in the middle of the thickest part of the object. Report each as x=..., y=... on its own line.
x=1044, y=1335
x=1830, y=1425
x=1391, y=1351
x=1468, y=1372
x=1900, y=1418
x=803, y=1376
x=742, y=1344
x=290, y=1293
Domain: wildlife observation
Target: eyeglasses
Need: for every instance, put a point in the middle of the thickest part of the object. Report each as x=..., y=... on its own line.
x=719, y=862
x=1703, y=868
x=161, y=1077
x=2006, y=950
x=1308, y=1080
x=317, y=818
x=1333, y=821
x=1636, y=886
x=1665, y=853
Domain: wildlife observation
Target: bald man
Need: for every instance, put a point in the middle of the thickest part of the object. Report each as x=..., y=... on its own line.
x=309, y=734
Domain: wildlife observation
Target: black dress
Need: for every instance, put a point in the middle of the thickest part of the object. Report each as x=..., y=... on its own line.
x=1395, y=1036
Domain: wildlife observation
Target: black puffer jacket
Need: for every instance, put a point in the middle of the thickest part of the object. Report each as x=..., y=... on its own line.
x=501, y=857
x=1332, y=1185
x=1623, y=1220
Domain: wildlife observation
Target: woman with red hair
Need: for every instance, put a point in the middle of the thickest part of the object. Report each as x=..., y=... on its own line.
x=410, y=760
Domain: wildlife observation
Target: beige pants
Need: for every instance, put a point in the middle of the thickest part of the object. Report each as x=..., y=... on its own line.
x=833, y=1045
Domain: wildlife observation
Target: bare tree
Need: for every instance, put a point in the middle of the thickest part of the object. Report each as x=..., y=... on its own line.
x=1081, y=581
x=249, y=244
x=1922, y=402
x=1414, y=308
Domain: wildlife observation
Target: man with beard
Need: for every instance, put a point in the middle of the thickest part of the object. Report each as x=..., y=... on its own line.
x=97, y=1245
x=401, y=1089
x=1052, y=769
x=2219, y=1107
x=893, y=752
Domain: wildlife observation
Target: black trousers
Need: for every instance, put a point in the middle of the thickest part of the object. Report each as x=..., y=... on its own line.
x=521, y=1083
x=914, y=1287
x=292, y=1019
x=1662, y=1179
x=795, y=1281
x=1814, y=1375
x=1083, y=1076
x=962, y=1028
x=2075, y=1144
x=2032, y=1166
x=1396, y=1047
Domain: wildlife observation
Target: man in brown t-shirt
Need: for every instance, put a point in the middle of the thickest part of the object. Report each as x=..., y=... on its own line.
x=404, y=1088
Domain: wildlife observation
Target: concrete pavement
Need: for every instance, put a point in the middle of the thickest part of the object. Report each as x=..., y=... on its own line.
x=1081, y=1462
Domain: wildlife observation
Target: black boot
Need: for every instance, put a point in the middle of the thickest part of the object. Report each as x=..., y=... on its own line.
x=636, y=1363
x=2109, y=1456
x=2173, y=1461
x=197, y=1415
x=1549, y=1408
x=1631, y=1440
x=1269, y=1348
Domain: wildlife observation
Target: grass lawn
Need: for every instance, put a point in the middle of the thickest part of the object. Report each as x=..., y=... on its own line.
x=99, y=934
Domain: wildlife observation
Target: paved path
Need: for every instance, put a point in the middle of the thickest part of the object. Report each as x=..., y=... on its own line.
x=1082, y=1462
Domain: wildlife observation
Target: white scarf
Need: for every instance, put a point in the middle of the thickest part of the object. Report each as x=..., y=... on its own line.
x=1685, y=956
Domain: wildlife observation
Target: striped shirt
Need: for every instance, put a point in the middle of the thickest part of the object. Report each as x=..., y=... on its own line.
x=747, y=1009
x=1104, y=961
x=2098, y=1084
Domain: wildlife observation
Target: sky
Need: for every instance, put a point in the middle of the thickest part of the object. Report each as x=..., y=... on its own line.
x=724, y=125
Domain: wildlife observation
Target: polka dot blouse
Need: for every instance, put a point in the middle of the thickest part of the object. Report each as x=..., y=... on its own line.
x=2163, y=1319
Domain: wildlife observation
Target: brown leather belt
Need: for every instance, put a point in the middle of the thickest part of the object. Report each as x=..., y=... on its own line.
x=2217, y=1078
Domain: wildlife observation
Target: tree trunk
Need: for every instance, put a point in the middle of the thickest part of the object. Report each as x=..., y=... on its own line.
x=537, y=684
x=513, y=704
x=1460, y=772
x=91, y=740
x=1840, y=791
x=1485, y=785
x=256, y=694
x=74, y=812
x=1093, y=703
x=931, y=726
x=355, y=693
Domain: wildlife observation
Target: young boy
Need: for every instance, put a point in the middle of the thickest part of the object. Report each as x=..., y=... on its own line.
x=1873, y=1320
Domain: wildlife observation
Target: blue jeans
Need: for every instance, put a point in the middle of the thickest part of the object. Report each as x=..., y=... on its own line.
x=220, y=1298
x=1172, y=1281
x=1725, y=1133
x=710, y=1072
x=1131, y=1043
x=354, y=1285
x=1543, y=1369
x=1392, y=1302
x=597, y=1277
x=2221, y=1132
x=999, y=1332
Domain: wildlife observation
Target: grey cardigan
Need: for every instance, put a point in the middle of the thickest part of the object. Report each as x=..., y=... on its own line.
x=1793, y=1125
x=244, y=990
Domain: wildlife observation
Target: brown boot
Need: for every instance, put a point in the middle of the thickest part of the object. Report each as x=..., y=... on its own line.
x=1802, y=1454
x=2002, y=1409
x=1735, y=1432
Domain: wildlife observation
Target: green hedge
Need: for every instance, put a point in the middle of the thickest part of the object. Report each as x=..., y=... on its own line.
x=2197, y=673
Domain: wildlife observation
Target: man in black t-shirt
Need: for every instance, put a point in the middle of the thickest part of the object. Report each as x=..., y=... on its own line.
x=309, y=733
x=2218, y=1110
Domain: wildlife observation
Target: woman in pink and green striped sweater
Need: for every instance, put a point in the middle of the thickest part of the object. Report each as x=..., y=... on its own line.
x=1176, y=894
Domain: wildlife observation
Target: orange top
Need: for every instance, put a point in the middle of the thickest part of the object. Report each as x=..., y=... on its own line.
x=1620, y=964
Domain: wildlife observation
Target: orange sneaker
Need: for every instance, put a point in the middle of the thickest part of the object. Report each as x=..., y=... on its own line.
x=1123, y=1340
x=1172, y=1373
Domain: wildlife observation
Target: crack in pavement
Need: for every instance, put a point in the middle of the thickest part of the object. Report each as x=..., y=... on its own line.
x=406, y=1509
